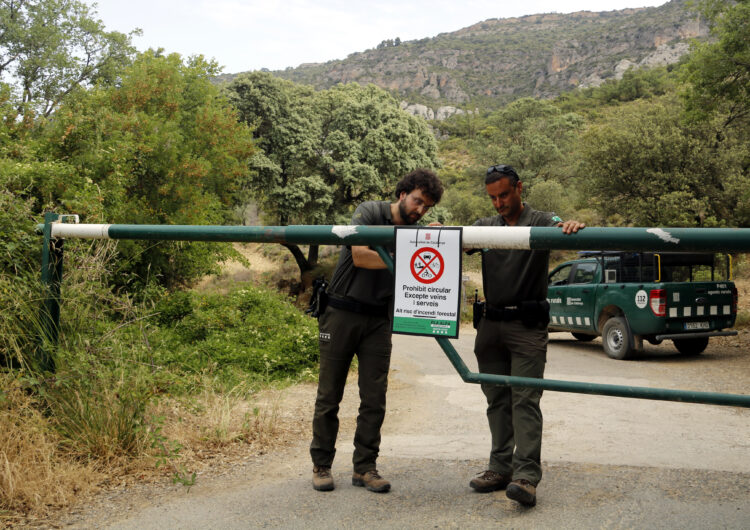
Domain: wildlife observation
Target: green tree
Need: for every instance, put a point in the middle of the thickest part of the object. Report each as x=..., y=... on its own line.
x=286, y=132
x=48, y=48
x=718, y=71
x=325, y=152
x=161, y=147
x=644, y=165
x=532, y=135
x=549, y=196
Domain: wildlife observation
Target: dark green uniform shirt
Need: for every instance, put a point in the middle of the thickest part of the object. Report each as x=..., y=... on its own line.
x=370, y=286
x=511, y=276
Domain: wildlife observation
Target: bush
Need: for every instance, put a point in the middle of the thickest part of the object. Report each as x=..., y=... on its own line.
x=100, y=414
x=250, y=328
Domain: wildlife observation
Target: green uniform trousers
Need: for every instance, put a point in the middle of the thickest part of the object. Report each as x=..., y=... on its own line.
x=510, y=348
x=342, y=335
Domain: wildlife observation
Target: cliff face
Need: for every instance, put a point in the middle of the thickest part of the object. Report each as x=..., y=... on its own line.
x=497, y=60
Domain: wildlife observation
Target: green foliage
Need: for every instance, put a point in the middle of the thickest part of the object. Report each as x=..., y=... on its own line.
x=465, y=197
x=20, y=269
x=718, y=72
x=50, y=48
x=287, y=135
x=325, y=152
x=367, y=144
x=100, y=413
x=645, y=165
x=550, y=196
x=160, y=148
x=251, y=329
x=640, y=83
x=532, y=136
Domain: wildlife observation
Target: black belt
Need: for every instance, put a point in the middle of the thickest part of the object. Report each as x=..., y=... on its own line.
x=531, y=311
x=358, y=307
x=511, y=312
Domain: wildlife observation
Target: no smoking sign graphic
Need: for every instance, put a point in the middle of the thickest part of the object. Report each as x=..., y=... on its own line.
x=427, y=265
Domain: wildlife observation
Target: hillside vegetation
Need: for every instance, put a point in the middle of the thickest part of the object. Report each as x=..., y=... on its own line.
x=496, y=61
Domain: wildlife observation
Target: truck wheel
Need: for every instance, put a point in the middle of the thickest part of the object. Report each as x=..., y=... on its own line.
x=616, y=338
x=691, y=346
x=583, y=337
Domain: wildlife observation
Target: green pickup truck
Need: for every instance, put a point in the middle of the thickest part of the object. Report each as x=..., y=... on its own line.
x=629, y=297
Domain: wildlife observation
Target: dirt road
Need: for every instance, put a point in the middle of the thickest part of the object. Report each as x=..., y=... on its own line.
x=608, y=462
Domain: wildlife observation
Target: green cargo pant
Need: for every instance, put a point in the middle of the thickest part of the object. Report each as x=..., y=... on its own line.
x=510, y=348
x=342, y=335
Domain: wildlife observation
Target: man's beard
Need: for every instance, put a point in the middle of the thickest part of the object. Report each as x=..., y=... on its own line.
x=404, y=215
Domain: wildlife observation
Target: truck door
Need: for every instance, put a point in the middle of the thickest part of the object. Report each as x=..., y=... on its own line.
x=579, y=297
x=558, y=282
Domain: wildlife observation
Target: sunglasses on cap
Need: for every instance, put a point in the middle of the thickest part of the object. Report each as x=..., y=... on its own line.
x=502, y=168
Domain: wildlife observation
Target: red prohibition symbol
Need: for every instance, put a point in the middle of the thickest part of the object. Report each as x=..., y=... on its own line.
x=427, y=265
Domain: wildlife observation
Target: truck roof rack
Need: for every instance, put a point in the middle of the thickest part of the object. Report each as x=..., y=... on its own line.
x=667, y=258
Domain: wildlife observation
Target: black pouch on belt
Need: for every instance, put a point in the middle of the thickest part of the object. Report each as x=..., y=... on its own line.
x=319, y=298
x=478, y=308
x=534, y=313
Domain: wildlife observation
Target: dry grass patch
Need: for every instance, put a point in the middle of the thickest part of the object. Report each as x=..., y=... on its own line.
x=42, y=474
x=35, y=478
x=211, y=428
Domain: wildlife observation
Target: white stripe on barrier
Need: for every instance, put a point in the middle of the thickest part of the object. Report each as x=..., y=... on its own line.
x=83, y=231
x=514, y=237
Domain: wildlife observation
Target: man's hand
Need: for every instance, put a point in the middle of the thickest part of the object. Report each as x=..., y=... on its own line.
x=571, y=227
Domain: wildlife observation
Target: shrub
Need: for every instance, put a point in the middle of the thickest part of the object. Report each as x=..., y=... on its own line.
x=250, y=328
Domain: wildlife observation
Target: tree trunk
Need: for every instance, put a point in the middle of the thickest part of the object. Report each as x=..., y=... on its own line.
x=306, y=266
x=312, y=255
x=299, y=257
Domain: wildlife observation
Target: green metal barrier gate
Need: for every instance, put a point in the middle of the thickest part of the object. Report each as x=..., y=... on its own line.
x=647, y=239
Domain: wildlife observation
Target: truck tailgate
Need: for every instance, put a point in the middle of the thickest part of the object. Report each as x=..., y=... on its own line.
x=700, y=306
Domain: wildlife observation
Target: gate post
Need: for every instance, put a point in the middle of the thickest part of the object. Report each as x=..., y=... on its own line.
x=52, y=268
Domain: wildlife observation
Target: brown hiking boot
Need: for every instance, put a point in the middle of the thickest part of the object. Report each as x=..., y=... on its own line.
x=322, y=479
x=523, y=491
x=489, y=481
x=372, y=481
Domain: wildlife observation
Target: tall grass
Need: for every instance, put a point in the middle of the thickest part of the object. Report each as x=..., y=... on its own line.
x=140, y=380
x=20, y=321
x=34, y=476
x=102, y=416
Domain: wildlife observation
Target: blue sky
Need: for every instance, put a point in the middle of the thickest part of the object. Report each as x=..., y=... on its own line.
x=252, y=34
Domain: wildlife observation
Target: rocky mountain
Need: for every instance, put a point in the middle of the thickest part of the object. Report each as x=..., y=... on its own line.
x=498, y=60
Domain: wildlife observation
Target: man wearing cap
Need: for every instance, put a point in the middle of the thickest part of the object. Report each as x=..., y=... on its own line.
x=357, y=320
x=512, y=340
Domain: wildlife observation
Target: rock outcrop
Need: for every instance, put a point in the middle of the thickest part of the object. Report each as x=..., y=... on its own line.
x=498, y=60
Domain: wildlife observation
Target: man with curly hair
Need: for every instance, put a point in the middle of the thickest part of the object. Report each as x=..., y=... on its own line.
x=357, y=321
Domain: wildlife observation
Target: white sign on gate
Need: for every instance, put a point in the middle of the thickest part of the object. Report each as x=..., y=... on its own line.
x=427, y=281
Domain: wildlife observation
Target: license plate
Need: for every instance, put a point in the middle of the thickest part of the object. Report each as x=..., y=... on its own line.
x=696, y=325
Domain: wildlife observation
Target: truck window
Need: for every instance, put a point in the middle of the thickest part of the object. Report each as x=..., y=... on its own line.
x=560, y=276
x=631, y=267
x=584, y=273
x=694, y=267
